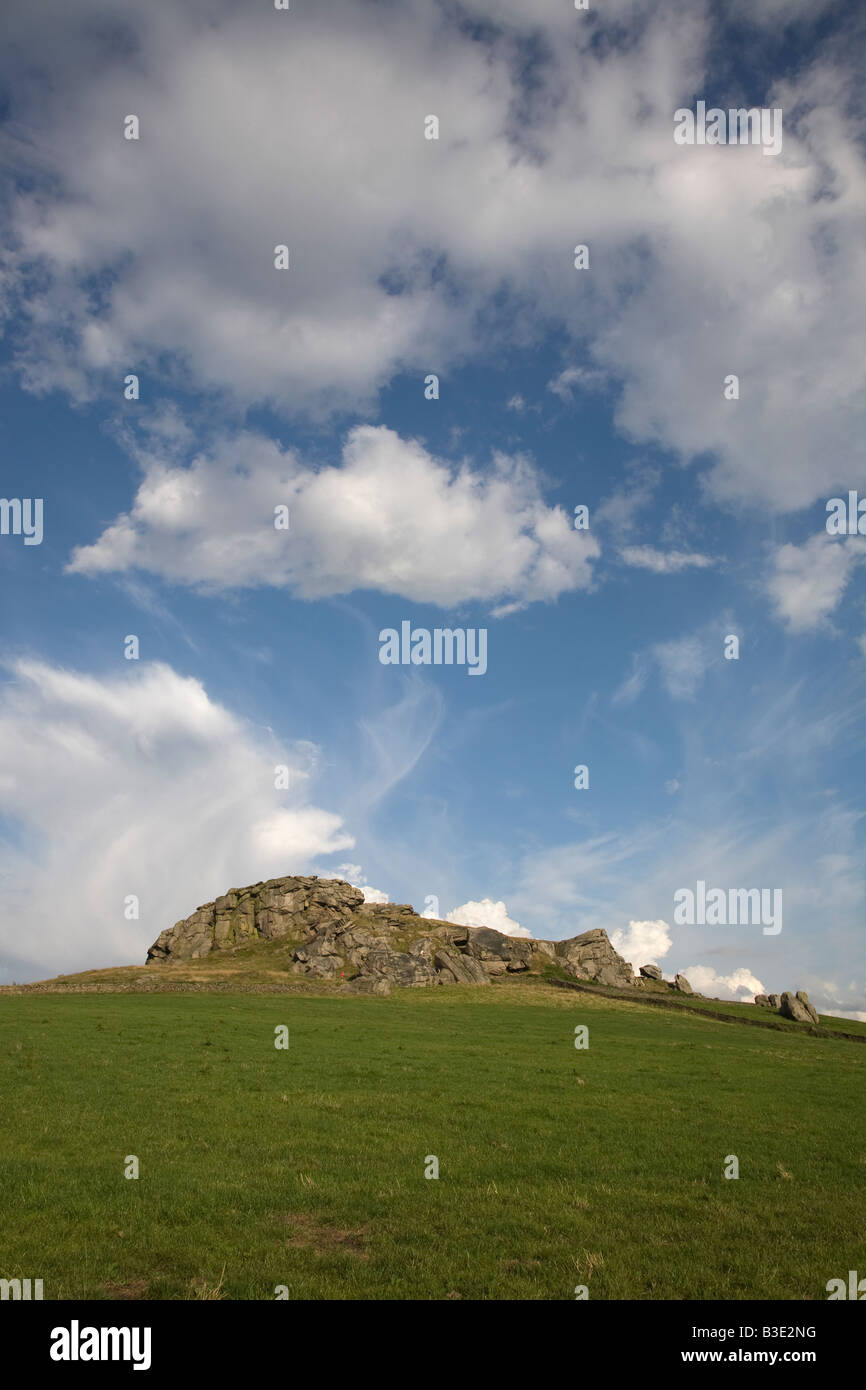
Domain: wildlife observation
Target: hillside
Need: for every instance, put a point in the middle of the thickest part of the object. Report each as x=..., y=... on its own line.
x=304, y=1168
x=303, y=934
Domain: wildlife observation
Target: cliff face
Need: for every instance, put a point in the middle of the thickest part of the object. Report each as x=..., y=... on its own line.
x=332, y=934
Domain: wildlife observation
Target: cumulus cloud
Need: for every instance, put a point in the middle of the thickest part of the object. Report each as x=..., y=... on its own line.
x=808, y=581
x=354, y=874
x=644, y=943
x=391, y=517
x=741, y=984
x=713, y=260
x=374, y=895
x=486, y=913
x=135, y=784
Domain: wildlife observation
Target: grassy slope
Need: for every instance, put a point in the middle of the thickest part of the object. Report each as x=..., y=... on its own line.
x=305, y=1167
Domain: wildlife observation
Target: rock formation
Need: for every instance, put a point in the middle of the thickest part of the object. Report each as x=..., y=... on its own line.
x=330, y=933
x=798, y=1007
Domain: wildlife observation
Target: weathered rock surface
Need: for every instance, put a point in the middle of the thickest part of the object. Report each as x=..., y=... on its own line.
x=590, y=956
x=651, y=972
x=763, y=1000
x=280, y=907
x=682, y=984
x=797, y=1007
x=330, y=933
x=775, y=1001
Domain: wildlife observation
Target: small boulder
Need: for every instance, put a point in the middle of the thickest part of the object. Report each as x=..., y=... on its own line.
x=651, y=972
x=763, y=1001
x=775, y=1001
x=366, y=984
x=682, y=984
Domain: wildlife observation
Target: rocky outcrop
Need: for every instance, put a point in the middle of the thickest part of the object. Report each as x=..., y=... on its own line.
x=330, y=933
x=591, y=957
x=651, y=972
x=281, y=907
x=682, y=984
x=763, y=1001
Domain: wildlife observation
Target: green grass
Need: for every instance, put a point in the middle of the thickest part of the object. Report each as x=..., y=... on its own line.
x=305, y=1167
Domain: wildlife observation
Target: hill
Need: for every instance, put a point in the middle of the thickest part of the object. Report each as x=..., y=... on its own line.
x=303, y=1169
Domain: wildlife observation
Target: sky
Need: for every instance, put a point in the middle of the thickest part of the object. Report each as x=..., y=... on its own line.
x=251, y=730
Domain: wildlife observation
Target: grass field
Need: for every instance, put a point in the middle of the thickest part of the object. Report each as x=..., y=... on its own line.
x=305, y=1168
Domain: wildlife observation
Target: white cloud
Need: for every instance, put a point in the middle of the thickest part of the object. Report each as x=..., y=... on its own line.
x=140, y=784
x=567, y=381
x=683, y=664
x=644, y=943
x=633, y=684
x=808, y=580
x=706, y=261
x=672, y=786
x=486, y=913
x=392, y=517
x=352, y=873
x=374, y=895
x=741, y=984
x=662, y=562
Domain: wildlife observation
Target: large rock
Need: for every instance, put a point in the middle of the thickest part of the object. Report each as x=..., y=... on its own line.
x=775, y=1001
x=651, y=972
x=792, y=1006
x=281, y=907
x=682, y=984
x=497, y=952
x=590, y=956
x=763, y=1001
x=330, y=933
x=803, y=999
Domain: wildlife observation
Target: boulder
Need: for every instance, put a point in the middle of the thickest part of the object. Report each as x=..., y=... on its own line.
x=792, y=1007
x=775, y=1001
x=682, y=984
x=651, y=972
x=590, y=956
x=803, y=998
x=497, y=952
x=763, y=1001
x=462, y=969
x=366, y=984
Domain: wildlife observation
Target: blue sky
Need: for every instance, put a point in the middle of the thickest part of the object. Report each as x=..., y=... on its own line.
x=155, y=777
